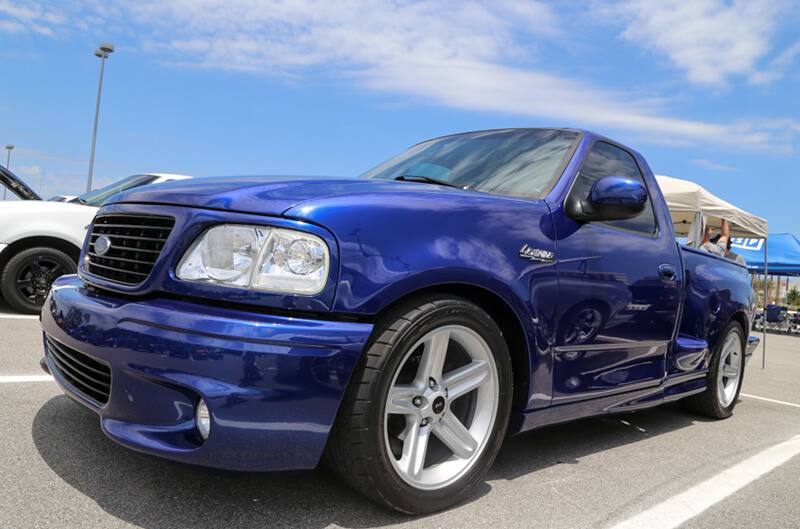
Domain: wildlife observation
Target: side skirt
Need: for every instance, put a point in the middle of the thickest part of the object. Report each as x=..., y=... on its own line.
x=674, y=388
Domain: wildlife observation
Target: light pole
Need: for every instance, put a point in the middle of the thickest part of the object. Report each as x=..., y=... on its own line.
x=9, y=148
x=102, y=52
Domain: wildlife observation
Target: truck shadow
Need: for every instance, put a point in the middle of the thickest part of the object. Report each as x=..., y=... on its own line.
x=151, y=492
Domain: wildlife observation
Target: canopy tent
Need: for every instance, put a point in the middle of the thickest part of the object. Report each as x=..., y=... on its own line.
x=693, y=208
x=784, y=254
x=686, y=200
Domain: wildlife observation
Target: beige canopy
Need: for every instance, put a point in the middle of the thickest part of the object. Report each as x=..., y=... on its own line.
x=688, y=201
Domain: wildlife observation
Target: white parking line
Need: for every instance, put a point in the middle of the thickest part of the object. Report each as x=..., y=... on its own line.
x=765, y=399
x=11, y=379
x=4, y=316
x=678, y=509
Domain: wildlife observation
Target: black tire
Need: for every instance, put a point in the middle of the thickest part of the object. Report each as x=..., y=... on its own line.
x=27, y=277
x=708, y=403
x=356, y=448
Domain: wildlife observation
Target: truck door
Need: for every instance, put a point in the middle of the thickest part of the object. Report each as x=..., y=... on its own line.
x=619, y=291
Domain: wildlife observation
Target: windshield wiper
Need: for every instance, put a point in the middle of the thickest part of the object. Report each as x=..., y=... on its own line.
x=426, y=180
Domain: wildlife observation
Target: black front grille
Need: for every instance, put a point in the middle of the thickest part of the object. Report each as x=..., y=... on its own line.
x=136, y=242
x=89, y=376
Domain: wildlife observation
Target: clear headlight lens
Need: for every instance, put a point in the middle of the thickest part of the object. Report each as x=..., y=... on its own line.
x=259, y=257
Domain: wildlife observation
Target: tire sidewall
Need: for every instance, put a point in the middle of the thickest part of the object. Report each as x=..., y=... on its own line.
x=459, y=312
x=714, y=374
x=9, y=277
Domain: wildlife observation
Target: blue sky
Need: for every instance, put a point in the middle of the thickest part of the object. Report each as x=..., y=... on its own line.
x=707, y=90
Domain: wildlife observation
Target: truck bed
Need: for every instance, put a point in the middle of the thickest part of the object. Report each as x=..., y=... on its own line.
x=716, y=290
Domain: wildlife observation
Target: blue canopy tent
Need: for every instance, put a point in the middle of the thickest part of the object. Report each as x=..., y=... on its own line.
x=784, y=254
x=784, y=261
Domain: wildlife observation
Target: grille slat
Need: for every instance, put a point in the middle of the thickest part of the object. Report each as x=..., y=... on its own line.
x=87, y=375
x=141, y=250
x=103, y=376
x=131, y=226
x=111, y=268
x=136, y=243
x=129, y=237
x=76, y=370
x=123, y=259
x=73, y=372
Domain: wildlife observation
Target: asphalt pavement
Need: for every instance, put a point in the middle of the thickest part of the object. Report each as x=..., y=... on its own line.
x=645, y=469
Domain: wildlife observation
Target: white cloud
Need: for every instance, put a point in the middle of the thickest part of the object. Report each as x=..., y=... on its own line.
x=711, y=40
x=777, y=67
x=28, y=16
x=464, y=54
x=714, y=166
x=461, y=54
x=29, y=170
x=350, y=35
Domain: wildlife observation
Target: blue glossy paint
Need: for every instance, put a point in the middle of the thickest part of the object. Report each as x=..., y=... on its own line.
x=272, y=383
x=619, y=321
x=618, y=190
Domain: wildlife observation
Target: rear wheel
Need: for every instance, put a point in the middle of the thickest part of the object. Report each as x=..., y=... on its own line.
x=725, y=375
x=427, y=409
x=27, y=277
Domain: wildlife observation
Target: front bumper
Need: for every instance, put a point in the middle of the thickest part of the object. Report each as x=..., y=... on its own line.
x=272, y=384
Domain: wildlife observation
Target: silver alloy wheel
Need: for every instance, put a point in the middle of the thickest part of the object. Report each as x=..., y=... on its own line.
x=730, y=369
x=457, y=406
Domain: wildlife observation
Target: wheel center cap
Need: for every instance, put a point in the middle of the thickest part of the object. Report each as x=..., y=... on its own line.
x=438, y=405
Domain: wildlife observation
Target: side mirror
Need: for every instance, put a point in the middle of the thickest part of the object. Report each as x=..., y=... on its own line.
x=611, y=198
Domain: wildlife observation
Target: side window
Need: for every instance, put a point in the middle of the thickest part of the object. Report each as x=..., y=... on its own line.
x=608, y=160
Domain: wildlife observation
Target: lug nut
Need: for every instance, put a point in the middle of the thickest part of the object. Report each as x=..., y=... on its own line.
x=431, y=383
x=424, y=422
x=417, y=401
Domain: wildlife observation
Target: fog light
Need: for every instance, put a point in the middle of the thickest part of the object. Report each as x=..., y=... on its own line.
x=203, y=419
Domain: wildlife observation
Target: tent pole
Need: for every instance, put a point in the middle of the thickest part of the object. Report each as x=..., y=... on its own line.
x=764, y=321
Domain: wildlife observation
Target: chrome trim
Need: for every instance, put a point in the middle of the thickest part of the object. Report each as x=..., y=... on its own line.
x=609, y=347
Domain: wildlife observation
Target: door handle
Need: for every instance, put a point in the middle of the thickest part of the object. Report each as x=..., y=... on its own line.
x=667, y=272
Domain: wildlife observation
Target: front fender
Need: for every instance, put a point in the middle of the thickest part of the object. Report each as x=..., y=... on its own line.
x=393, y=246
x=448, y=279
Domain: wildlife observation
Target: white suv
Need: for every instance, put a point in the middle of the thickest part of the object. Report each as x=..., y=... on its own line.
x=41, y=240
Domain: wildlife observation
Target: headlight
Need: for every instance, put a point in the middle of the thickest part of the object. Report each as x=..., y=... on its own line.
x=258, y=257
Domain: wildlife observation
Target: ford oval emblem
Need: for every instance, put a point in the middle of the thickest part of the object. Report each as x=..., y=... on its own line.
x=102, y=245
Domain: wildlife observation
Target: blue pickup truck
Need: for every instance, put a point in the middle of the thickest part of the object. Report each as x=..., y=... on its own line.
x=400, y=324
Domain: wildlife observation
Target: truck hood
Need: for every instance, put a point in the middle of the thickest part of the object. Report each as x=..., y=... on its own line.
x=271, y=195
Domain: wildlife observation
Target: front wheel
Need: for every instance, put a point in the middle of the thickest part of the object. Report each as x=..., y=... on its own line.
x=725, y=375
x=427, y=409
x=28, y=275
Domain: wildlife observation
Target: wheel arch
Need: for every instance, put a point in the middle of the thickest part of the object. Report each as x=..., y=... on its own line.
x=741, y=318
x=502, y=313
x=31, y=242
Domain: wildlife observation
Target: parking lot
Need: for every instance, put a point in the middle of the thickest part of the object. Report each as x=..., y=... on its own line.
x=634, y=470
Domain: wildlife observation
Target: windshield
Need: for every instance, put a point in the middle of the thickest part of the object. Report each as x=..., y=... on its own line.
x=521, y=163
x=98, y=196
